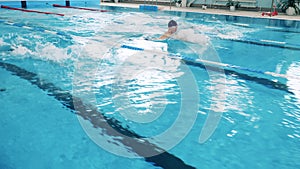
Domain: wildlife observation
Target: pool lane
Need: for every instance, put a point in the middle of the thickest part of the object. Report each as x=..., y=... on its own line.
x=112, y=127
x=263, y=81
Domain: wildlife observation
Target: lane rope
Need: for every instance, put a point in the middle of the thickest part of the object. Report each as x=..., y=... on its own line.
x=80, y=8
x=30, y=11
x=212, y=63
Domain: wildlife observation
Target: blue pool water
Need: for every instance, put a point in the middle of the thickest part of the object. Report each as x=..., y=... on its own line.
x=73, y=97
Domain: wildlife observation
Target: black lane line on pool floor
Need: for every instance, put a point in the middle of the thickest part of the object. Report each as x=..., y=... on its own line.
x=111, y=126
x=263, y=81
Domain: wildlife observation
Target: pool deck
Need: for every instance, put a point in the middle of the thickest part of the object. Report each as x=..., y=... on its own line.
x=256, y=14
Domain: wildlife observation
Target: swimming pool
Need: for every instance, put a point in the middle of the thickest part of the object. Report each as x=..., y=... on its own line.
x=73, y=97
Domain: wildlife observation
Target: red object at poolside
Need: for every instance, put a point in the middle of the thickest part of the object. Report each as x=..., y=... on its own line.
x=33, y=11
x=73, y=7
x=270, y=13
x=274, y=13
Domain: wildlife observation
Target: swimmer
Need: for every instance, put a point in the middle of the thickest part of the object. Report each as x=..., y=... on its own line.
x=172, y=28
x=187, y=34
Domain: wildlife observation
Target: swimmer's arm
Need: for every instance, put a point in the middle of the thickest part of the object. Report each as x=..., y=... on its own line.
x=163, y=37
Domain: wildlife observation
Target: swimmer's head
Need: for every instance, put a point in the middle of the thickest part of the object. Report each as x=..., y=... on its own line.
x=172, y=27
x=172, y=23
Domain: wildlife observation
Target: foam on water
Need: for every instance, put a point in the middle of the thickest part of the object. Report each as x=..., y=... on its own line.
x=85, y=25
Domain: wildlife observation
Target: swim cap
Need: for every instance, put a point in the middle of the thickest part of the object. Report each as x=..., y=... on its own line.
x=172, y=23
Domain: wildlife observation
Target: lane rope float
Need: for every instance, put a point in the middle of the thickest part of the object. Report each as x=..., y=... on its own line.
x=184, y=58
x=80, y=8
x=30, y=11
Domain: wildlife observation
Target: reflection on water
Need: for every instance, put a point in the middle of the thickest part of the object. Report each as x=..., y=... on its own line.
x=293, y=80
x=139, y=82
x=292, y=109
